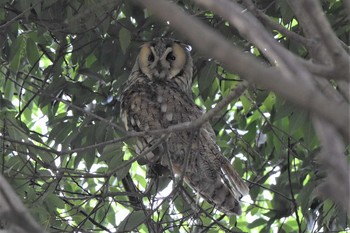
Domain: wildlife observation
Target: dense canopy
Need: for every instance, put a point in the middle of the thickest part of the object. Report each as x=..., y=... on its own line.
x=71, y=163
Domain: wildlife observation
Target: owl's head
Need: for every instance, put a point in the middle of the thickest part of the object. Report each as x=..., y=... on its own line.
x=166, y=59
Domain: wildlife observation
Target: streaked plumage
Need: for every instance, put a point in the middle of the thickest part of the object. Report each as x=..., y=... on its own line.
x=157, y=95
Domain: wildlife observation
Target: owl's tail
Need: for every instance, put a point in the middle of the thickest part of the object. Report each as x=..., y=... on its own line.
x=224, y=191
x=222, y=198
x=237, y=185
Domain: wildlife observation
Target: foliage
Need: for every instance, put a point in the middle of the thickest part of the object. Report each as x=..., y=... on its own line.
x=63, y=146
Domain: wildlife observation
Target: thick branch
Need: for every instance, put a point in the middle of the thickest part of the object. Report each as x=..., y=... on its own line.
x=347, y=5
x=316, y=69
x=339, y=57
x=12, y=209
x=203, y=37
x=254, y=31
x=274, y=25
x=332, y=155
x=327, y=49
x=337, y=185
x=344, y=88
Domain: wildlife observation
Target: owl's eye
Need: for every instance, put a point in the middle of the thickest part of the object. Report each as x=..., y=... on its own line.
x=171, y=57
x=151, y=57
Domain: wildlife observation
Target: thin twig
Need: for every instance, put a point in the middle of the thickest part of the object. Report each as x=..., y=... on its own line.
x=7, y=23
x=291, y=187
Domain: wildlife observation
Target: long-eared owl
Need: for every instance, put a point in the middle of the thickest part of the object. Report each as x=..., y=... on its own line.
x=158, y=95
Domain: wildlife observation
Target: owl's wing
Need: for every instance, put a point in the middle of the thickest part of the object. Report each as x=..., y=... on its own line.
x=226, y=187
x=228, y=174
x=141, y=113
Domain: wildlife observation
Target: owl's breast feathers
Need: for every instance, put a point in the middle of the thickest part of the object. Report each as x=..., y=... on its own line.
x=155, y=104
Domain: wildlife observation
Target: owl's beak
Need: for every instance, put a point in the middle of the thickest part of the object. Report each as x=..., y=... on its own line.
x=160, y=70
x=159, y=66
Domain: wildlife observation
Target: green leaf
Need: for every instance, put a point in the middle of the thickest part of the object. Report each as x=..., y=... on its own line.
x=286, y=11
x=4, y=103
x=256, y=223
x=111, y=151
x=246, y=104
x=2, y=14
x=305, y=196
x=16, y=53
x=206, y=78
x=329, y=208
x=32, y=53
x=251, y=134
x=17, y=133
x=43, y=155
x=270, y=101
x=124, y=39
x=297, y=120
x=89, y=158
x=132, y=221
x=282, y=109
x=52, y=202
x=230, y=81
x=123, y=166
x=310, y=138
x=59, y=132
x=9, y=90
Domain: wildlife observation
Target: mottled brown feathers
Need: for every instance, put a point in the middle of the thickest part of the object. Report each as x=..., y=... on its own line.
x=158, y=95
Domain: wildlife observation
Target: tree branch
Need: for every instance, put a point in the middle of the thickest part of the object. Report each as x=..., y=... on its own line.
x=254, y=31
x=344, y=88
x=317, y=69
x=337, y=185
x=340, y=58
x=316, y=27
x=295, y=205
x=332, y=154
x=347, y=5
x=12, y=209
x=274, y=25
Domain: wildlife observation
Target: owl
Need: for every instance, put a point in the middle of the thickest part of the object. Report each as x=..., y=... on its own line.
x=158, y=95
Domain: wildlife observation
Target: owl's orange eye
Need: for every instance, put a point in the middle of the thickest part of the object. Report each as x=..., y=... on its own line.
x=151, y=57
x=171, y=56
